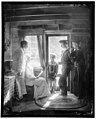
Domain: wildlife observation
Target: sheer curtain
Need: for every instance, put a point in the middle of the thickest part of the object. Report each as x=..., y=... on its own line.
x=42, y=53
x=41, y=49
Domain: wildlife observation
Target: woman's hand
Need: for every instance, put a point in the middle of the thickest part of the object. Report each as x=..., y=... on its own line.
x=37, y=77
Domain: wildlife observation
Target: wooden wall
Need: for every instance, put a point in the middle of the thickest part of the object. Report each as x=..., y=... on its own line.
x=26, y=19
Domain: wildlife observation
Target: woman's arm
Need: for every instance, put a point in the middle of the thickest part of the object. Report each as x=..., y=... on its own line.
x=40, y=74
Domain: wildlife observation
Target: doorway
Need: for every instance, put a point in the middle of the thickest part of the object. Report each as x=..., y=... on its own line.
x=54, y=47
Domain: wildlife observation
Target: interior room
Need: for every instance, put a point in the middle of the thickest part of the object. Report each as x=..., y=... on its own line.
x=34, y=33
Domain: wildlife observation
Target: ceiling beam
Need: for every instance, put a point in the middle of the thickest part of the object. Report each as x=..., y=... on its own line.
x=48, y=10
x=20, y=6
x=45, y=17
x=75, y=23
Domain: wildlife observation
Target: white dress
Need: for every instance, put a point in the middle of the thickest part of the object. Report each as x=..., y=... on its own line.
x=41, y=88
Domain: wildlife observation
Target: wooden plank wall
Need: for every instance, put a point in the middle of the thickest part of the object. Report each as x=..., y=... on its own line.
x=36, y=18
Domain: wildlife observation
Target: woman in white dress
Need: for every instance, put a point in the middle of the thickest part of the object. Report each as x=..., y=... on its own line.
x=41, y=88
x=25, y=75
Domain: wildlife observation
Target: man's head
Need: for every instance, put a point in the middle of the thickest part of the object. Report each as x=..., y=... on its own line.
x=24, y=44
x=75, y=44
x=64, y=43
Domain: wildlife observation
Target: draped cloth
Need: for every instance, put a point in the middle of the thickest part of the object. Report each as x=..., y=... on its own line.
x=43, y=53
x=41, y=49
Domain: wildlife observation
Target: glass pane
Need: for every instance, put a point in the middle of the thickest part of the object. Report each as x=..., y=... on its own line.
x=32, y=51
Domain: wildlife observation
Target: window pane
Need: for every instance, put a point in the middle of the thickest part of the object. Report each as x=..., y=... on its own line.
x=32, y=50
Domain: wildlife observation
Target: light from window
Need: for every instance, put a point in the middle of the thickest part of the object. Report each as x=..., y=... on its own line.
x=32, y=51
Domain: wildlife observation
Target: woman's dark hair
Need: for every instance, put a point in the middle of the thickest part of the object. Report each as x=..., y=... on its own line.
x=23, y=44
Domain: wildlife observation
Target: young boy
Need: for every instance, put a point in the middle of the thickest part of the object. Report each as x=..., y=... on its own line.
x=52, y=72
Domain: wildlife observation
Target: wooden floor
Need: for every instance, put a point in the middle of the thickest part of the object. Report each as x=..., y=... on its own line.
x=55, y=101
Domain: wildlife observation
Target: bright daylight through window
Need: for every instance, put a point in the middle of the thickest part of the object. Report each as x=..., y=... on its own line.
x=32, y=51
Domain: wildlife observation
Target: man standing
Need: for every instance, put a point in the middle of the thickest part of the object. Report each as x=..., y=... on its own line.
x=66, y=66
x=79, y=62
x=19, y=66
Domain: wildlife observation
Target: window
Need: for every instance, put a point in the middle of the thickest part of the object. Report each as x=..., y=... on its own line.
x=32, y=51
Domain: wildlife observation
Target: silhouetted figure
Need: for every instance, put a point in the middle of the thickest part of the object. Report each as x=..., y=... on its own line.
x=66, y=67
x=79, y=64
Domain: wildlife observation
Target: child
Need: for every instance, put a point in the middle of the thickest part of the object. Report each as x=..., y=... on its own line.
x=52, y=72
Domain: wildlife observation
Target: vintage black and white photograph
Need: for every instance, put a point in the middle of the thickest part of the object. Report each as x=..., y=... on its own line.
x=48, y=59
